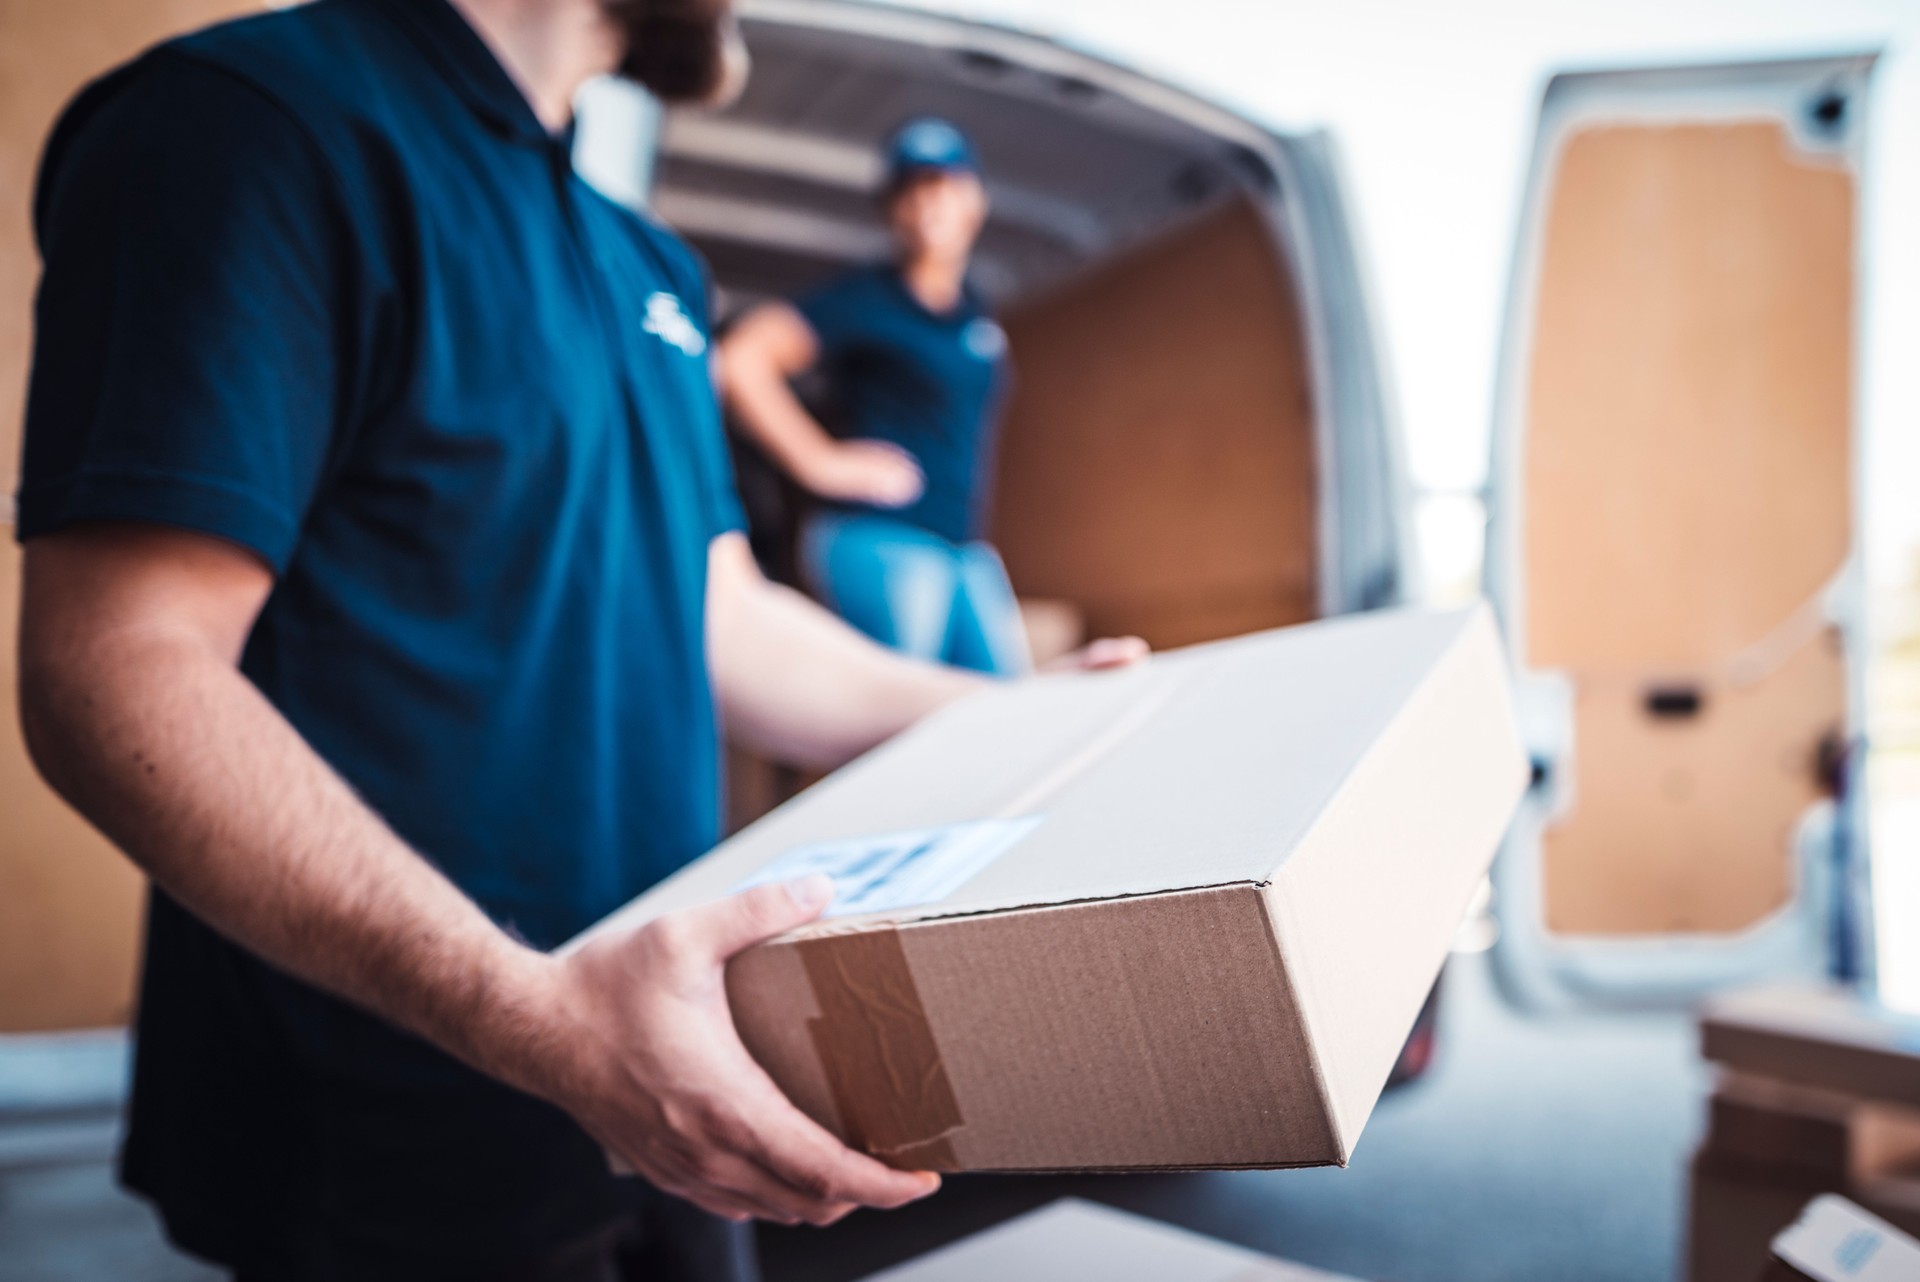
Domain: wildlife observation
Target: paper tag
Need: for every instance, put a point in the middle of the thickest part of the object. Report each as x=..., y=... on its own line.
x=1836, y=1241
x=901, y=869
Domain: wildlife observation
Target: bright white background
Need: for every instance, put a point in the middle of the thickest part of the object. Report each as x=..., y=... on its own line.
x=1433, y=105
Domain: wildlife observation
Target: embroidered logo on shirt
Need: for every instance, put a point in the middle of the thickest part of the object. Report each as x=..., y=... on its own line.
x=669, y=322
x=984, y=339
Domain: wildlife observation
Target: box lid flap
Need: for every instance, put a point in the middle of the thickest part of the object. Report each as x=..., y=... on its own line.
x=1212, y=763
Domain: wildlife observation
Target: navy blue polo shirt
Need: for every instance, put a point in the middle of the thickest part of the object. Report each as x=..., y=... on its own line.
x=318, y=283
x=930, y=382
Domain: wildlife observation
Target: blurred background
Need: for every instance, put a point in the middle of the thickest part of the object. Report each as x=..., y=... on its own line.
x=1354, y=237
x=1434, y=108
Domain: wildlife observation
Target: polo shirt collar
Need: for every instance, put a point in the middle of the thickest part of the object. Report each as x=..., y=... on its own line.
x=462, y=56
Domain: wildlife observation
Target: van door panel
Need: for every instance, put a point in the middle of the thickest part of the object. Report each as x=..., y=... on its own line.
x=1685, y=460
x=1684, y=822
x=1687, y=451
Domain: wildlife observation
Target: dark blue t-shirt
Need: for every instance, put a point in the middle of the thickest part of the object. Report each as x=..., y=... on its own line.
x=928, y=382
x=318, y=283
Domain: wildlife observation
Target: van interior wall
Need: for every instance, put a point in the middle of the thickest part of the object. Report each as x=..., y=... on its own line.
x=1157, y=463
x=1688, y=496
x=69, y=905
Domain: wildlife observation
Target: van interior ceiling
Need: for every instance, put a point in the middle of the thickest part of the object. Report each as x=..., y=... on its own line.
x=1157, y=466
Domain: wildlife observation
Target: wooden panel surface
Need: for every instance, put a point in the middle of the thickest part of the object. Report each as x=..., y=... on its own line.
x=1687, y=472
x=1687, y=444
x=1157, y=466
x=1686, y=824
x=69, y=905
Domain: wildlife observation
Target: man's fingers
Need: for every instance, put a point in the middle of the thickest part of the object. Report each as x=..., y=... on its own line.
x=719, y=1172
x=675, y=1176
x=1114, y=652
x=772, y=1199
x=903, y=479
x=802, y=1154
x=1107, y=652
x=718, y=930
x=715, y=1202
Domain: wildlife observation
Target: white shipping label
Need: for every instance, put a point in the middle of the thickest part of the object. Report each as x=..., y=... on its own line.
x=900, y=869
x=1836, y=1241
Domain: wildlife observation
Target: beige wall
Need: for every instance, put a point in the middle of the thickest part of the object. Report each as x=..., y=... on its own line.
x=1157, y=463
x=69, y=906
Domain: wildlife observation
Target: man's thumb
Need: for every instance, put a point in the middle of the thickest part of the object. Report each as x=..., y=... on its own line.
x=740, y=921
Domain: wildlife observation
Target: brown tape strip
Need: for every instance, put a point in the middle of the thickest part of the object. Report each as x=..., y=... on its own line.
x=877, y=1050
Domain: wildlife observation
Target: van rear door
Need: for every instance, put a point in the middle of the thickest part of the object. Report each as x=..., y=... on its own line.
x=1672, y=535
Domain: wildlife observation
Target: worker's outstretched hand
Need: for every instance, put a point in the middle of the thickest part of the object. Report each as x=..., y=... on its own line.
x=665, y=1084
x=1096, y=656
x=877, y=473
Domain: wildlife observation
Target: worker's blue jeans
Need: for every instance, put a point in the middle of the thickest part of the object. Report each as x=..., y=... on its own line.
x=911, y=589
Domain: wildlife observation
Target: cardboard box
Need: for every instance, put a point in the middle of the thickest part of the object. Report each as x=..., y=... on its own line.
x=1819, y=1036
x=1734, y=1213
x=1737, y=1208
x=1180, y=915
x=1075, y=1239
x=1833, y=1240
x=1823, y=1133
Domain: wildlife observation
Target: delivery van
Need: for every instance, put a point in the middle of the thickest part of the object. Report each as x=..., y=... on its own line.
x=1674, y=539
x=1198, y=442
x=1202, y=442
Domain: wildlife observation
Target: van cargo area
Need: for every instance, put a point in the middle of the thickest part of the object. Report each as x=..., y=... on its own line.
x=1196, y=444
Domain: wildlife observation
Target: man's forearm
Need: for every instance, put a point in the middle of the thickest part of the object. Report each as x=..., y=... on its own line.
x=767, y=347
x=765, y=405
x=172, y=753
x=800, y=685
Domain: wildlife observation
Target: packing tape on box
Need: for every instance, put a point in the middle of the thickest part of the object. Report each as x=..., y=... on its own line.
x=872, y=1039
x=1124, y=727
x=877, y=1052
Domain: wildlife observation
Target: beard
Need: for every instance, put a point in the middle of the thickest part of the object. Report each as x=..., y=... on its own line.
x=682, y=51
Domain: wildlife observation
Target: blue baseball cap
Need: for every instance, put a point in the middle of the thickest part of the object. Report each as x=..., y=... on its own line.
x=928, y=144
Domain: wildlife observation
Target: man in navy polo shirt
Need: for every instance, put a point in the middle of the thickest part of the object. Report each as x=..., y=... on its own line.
x=916, y=367
x=384, y=589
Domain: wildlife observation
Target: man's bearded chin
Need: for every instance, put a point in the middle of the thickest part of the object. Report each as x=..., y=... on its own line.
x=683, y=51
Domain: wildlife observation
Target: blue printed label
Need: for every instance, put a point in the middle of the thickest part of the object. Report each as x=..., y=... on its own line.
x=898, y=870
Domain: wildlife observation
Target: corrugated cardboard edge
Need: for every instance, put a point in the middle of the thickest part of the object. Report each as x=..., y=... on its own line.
x=786, y=1018
x=1338, y=1145
x=1476, y=641
x=1742, y=1032
x=1070, y=985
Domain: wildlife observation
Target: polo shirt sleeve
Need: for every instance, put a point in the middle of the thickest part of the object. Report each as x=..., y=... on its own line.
x=194, y=324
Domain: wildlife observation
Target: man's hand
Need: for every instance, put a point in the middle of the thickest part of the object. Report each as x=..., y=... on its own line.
x=1097, y=656
x=668, y=1087
x=135, y=710
x=879, y=473
x=770, y=345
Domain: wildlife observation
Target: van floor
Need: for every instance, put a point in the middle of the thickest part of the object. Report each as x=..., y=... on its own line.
x=1534, y=1150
